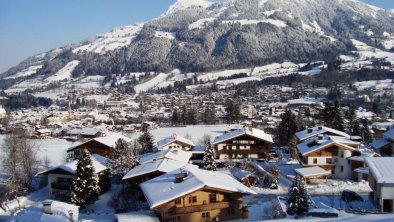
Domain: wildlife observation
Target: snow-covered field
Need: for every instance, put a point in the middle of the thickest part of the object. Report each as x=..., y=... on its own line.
x=64, y=73
x=26, y=72
x=151, y=83
x=115, y=39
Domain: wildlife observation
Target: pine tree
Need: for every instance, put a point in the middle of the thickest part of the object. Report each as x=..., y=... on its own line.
x=352, y=121
x=366, y=133
x=85, y=188
x=175, y=117
x=209, y=158
x=146, y=141
x=286, y=128
x=274, y=171
x=298, y=201
x=338, y=120
x=122, y=158
x=356, y=131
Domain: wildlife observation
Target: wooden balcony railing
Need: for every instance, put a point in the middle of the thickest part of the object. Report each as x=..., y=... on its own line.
x=206, y=207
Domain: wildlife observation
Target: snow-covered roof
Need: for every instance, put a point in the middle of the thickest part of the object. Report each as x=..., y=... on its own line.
x=312, y=171
x=257, y=133
x=241, y=174
x=60, y=213
x=99, y=164
x=379, y=143
x=174, y=154
x=108, y=140
x=137, y=216
x=389, y=134
x=163, y=165
x=315, y=131
x=84, y=131
x=381, y=168
x=313, y=145
x=171, y=139
x=163, y=189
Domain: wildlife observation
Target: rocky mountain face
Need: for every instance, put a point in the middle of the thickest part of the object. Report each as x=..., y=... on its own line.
x=198, y=35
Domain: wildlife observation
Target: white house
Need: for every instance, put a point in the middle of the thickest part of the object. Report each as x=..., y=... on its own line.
x=60, y=178
x=49, y=210
x=381, y=180
x=174, y=141
x=330, y=153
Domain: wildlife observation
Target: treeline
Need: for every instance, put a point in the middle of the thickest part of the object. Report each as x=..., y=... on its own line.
x=25, y=101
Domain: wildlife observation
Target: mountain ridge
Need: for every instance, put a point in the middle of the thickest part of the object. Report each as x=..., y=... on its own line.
x=230, y=34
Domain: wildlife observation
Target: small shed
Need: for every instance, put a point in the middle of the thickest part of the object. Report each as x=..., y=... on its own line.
x=312, y=172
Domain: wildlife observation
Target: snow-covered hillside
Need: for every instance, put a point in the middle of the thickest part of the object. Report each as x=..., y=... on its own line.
x=64, y=73
x=184, y=4
x=26, y=72
x=115, y=39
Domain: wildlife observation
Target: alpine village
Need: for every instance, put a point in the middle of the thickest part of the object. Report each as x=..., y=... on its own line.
x=237, y=110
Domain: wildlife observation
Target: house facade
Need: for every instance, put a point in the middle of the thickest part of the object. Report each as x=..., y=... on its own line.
x=174, y=141
x=60, y=178
x=243, y=143
x=385, y=145
x=196, y=195
x=381, y=181
x=101, y=146
x=330, y=153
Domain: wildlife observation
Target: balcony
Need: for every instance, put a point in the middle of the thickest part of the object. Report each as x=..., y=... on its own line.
x=206, y=207
x=60, y=186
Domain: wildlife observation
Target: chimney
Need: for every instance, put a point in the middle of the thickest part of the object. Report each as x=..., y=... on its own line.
x=310, y=130
x=47, y=206
x=320, y=127
x=320, y=137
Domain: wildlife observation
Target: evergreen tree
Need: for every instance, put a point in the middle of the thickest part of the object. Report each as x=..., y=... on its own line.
x=85, y=189
x=122, y=158
x=233, y=111
x=300, y=122
x=146, y=141
x=356, y=131
x=209, y=158
x=274, y=171
x=366, y=133
x=298, y=201
x=286, y=128
x=338, y=120
x=352, y=121
x=175, y=117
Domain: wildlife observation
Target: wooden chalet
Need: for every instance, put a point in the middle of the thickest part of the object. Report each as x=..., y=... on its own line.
x=196, y=195
x=243, y=143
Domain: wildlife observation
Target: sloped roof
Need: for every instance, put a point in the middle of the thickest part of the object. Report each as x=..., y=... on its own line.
x=379, y=143
x=60, y=213
x=84, y=131
x=257, y=133
x=303, y=135
x=99, y=164
x=108, y=140
x=163, y=165
x=174, y=154
x=313, y=145
x=389, y=134
x=172, y=139
x=381, y=168
x=163, y=189
x=312, y=171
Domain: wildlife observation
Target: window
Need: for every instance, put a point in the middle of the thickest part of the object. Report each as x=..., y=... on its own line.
x=205, y=215
x=178, y=201
x=192, y=199
x=212, y=197
x=64, y=180
x=314, y=160
x=332, y=171
x=341, y=169
x=341, y=154
x=230, y=211
x=329, y=161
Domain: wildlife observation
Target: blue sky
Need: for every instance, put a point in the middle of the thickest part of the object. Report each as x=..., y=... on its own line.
x=28, y=27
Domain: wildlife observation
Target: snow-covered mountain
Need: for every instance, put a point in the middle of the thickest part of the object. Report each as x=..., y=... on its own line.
x=198, y=35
